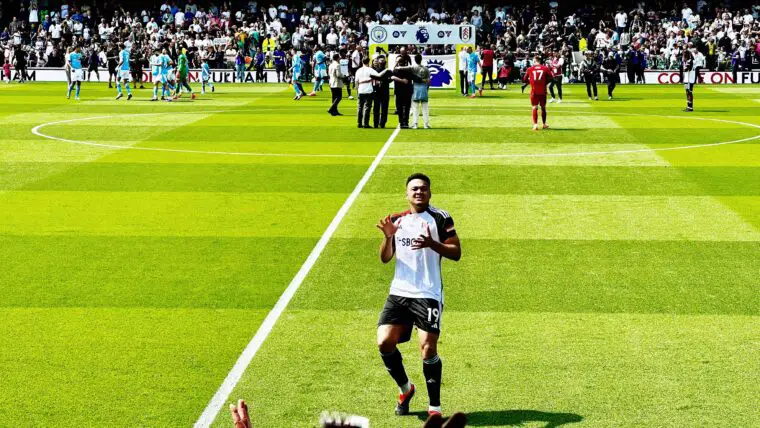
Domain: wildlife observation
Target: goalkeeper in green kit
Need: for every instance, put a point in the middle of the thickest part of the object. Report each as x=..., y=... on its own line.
x=182, y=70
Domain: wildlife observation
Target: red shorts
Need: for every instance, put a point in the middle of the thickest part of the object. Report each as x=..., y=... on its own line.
x=538, y=100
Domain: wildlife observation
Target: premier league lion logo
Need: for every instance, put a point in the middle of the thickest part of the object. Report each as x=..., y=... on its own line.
x=422, y=35
x=439, y=75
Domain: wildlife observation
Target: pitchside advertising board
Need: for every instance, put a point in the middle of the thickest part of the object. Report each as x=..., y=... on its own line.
x=442, y=69
x=443, y=74
x=705, y=77
x=421, y=34
x=217, y=75
x=381, y=36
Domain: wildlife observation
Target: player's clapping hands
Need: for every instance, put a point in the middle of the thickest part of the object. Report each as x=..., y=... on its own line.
x=387, y=227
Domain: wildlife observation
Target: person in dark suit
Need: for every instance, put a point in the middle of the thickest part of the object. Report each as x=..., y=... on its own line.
x=403, y=89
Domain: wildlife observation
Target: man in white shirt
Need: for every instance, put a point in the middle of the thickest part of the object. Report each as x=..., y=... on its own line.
x=418, y=237
x=621, y=20
x=366, y=91
x=55, y=32
x=151, y=26
x=462, y=66
x=336, y=84
x=500, y=13
x=345, y=70
x=332, y=39
x=179, y=19
x=686, y=13
x=356, y=61
x=748, y=18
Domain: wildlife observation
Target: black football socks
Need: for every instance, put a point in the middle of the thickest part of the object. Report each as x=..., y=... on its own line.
x=394, y=364
x=432, y=369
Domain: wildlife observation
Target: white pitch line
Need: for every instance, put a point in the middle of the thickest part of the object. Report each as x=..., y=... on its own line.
x=224, y=391
x=36, y=131
x=541, y=155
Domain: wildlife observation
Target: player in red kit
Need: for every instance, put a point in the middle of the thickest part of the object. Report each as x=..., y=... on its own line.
x=538, y=75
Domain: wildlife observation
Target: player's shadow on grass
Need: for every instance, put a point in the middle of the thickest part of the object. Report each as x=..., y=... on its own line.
x=516, y=418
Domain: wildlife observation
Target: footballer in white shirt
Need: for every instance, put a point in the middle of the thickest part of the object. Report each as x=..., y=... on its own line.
x=419, y=238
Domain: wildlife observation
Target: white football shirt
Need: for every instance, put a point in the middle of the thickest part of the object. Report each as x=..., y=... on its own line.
x=418, y=272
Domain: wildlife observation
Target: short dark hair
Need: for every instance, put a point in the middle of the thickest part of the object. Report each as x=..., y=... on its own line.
x=418, y=176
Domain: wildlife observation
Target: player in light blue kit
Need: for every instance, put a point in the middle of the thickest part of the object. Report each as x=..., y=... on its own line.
x=472, y=71
x=296, y=66
x=165, y=70
x=155, y=73
x=124, y=73
x=206, y=77
x=77, y=73
x=171, y=82
x=320, y=71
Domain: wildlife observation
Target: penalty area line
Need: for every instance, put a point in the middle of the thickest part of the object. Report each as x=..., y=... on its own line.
x=233, y=377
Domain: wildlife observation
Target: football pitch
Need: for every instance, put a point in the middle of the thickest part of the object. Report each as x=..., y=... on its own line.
x=610, y=269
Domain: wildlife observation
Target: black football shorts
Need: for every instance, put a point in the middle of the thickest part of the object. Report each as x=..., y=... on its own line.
x=423, y=313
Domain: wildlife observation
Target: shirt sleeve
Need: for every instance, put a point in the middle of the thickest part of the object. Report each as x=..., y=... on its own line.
x=447, y=229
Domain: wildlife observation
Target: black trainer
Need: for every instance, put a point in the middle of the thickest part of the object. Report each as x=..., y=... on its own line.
x=402, y=406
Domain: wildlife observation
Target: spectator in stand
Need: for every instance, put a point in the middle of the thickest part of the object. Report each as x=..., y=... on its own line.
x=520, y=30
x=621, y=21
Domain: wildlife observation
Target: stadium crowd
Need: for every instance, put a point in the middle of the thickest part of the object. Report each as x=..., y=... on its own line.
x=645, y=34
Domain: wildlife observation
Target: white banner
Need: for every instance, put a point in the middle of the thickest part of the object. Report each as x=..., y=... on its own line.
x=194, y=75
x=706, y=77
x=421, y=34
x=443, y=74
x=442, y=69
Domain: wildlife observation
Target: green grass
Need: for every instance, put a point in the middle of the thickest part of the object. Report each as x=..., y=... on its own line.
x=606, y=289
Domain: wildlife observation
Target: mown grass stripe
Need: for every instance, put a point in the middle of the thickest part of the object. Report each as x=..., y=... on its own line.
x=508, y=275
x=578, y=180
x=520, y=368
x=167, y=213
x=571, y=217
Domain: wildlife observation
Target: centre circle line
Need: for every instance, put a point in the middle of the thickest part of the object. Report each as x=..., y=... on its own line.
x=36, y=131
